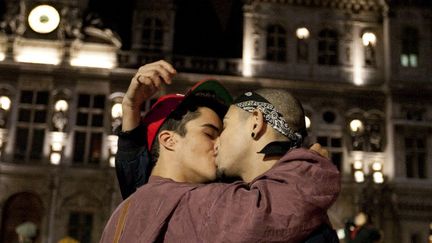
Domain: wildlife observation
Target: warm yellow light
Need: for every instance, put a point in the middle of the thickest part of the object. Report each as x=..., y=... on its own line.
x=116, y=110
x=302, y=33
x=94, y=59
x=2, y=56
x=341, y=234
x=56, y=146
x=112, y=161
x=112, y=141
x=57, y=139
x=38, y=54
x=378, y=177
x=44, y=19
x=356, y=125
x=376, y=166
x=61, y=105
x=368, y=38
x=358, y=165
x=358, y=73
x=5, y=103
x=247, y=56
x=55, y=158
x=359, y=176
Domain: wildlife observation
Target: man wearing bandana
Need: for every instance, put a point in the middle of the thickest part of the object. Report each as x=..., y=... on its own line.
x=285, y=192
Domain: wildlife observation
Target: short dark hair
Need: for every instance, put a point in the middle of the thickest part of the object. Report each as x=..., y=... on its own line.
x=186, y=112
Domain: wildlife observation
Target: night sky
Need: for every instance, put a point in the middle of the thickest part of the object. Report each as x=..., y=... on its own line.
x=212, y=28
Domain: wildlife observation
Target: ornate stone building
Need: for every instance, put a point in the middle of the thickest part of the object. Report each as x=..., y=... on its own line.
x=360, y=67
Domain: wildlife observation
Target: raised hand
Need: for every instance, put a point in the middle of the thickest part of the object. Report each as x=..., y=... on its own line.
x=147, y=81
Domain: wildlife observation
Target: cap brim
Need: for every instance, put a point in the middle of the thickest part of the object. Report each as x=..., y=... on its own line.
x=214, y=86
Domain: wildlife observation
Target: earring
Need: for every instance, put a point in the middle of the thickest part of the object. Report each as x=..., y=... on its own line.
x=253, y=135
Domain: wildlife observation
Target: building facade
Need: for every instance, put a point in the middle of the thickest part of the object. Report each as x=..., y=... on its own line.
x=360, y=68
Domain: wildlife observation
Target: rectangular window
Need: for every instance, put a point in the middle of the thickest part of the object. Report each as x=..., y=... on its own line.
x=334, y=146
x=80, y=226
x=410, y=47
x=152, y=34
x=415, y=157
x=276, y=43
x=32, y=124
x=328, y=47
x=89, y=129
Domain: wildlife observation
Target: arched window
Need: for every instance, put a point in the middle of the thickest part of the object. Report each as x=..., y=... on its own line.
x=328, y=47
x=152, y=34
x=276, y=43
x=410, y=47
x=20, y=208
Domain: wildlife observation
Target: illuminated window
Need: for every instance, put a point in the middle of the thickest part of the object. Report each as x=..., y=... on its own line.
x=328, y=47
x=152, y=34
x=415, y=157
x=89, y=129
x=30, y=131
x=80, y=226
x=334, y=146
x=276, y=43
x=410, y=47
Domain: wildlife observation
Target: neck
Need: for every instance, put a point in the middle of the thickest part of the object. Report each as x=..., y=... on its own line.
x=168, y=170
x=257, y=163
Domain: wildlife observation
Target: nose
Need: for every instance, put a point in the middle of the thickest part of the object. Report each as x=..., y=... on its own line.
x=216, y=146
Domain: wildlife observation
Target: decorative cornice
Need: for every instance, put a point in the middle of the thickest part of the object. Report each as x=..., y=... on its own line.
x=348, y=5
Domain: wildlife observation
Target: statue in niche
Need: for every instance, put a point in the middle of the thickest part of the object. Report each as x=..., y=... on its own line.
x=14, y=18
x=375, y=138
x=59, y=120
x=357, y=141
x=71, y=24
x=369, y=55
x=95, y=30
x=3, y=118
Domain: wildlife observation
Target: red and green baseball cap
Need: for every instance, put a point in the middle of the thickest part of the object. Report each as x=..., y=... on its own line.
x=167, y=104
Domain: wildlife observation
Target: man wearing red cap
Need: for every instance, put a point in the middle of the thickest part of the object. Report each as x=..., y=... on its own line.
x=285, y=195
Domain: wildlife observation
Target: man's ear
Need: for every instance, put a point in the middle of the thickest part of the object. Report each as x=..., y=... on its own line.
x=258, y=124
x=167, y=139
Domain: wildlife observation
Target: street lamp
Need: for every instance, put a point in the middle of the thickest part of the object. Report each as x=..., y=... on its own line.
x=302, y=33
x=59, y=121
x=377, y=174
x=116, y=117
x=369, y=42
x=369, y=38
x=5, y=103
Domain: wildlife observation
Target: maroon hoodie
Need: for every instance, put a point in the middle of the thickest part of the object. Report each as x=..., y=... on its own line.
x=285, y=204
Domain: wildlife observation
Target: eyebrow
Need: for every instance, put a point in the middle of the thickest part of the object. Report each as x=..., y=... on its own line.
x=211, y=126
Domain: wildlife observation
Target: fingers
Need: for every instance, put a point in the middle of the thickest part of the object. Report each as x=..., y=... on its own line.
x=320, y=150
x=155, y=74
